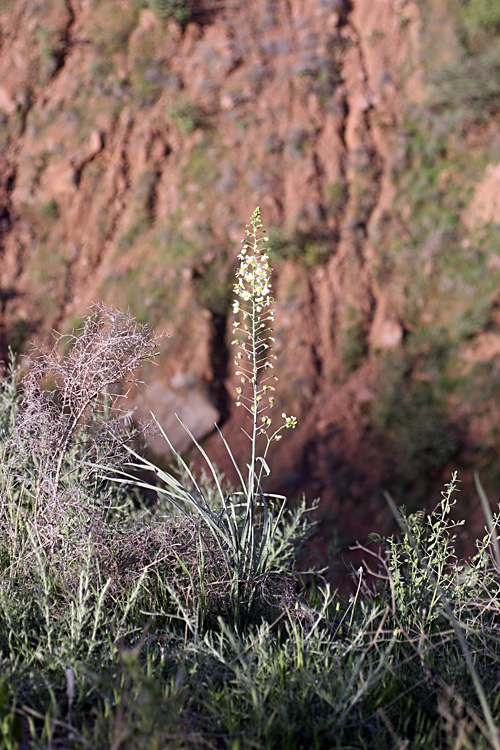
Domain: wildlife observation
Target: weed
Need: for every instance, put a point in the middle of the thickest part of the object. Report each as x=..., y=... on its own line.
x=336, y=198
x=188, y=117
x=107, y=350
x=50, y=210
x=149, y=75
x=354, y=339
x=178, y=10
x=112, y=27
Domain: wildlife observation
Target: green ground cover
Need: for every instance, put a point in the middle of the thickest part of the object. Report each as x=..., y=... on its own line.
x=146, y=608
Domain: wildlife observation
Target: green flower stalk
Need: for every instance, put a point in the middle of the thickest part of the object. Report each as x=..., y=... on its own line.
x=254, y=307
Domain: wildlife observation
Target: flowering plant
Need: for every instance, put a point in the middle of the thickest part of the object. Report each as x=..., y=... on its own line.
x=248, y=529
x=254, y=307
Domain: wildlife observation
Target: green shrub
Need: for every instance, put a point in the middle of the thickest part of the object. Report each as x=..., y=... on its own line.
x=483, y=14
x=354, y=344
x=412, y=418
x=188, y=117
x=470, y=84
x=178, y=10
x=50, y=210
x=336, y=198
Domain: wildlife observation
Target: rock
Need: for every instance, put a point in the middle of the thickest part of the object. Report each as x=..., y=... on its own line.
x=386, y=332
x=7, y=104
x=95, y=143
x=485, y=205
x=388, y=335
x=364, y=394
x=192, y=406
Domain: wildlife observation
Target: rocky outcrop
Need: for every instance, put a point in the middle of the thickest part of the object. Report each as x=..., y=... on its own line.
x=132, y=152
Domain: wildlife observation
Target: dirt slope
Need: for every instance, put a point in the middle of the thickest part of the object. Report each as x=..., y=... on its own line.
x=132, y=152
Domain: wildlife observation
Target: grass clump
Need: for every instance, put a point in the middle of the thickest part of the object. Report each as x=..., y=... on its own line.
x=307, y=248
x=188, y=117
x=456, y=87
x=179, y=620
x=354, y=340
x=411, y=418
x=467, y=84
x=178, y=10
x=112, y=26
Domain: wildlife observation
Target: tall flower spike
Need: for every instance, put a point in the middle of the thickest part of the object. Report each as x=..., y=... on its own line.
x=254, y=305
x=254, y=311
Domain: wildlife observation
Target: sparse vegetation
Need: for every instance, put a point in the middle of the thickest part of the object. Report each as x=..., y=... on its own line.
x=148, y=75
x=336, y=198
x=306, y=248
x=112, y=27
x=466, y=84
x=49, y=46
x=178, y=10
x=450, y=282
x=188, y=117
x=354, y=340
x=49, y=210
x=410, y=416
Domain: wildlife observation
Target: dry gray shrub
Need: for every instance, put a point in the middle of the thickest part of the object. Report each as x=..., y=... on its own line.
x=70, y=387
x=69, y=413
x=65, y=417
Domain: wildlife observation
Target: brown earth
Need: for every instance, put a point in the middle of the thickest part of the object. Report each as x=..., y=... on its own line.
x=133, y=151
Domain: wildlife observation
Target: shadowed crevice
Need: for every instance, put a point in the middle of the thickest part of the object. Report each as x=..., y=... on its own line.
x=219, y=366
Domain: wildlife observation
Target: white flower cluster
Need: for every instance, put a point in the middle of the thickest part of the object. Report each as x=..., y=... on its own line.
x=254, y=279
x=290, y=422
x=254, y=305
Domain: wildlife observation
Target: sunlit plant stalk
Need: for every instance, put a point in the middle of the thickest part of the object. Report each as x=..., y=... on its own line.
x=254, y=311
x=249, y=556
x=255, y=307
